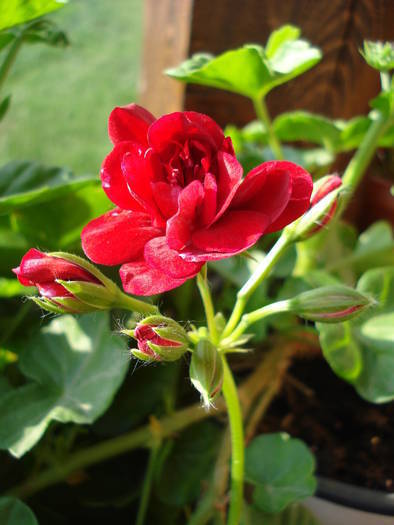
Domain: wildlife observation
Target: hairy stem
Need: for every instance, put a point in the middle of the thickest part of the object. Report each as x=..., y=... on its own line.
x=261, y=272
x=205, y=293
x=237, y=445
x=263, y=115
x=147, y=485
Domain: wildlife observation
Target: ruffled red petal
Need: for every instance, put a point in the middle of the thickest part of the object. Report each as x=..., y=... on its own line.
x=129, y=122
x=266, y=189
x=112, y=178
x=117, y=237
x=299, y=203
x=228, y=180
x=140, y=279
x=159, y=256
x=235, y=232
x=178, y=126
x=180, y=227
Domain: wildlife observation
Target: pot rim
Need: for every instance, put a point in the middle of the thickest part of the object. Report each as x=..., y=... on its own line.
x=355, y=497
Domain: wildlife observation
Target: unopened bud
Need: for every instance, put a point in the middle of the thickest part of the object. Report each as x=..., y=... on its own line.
x=159, y=338
x=206, y=371
x=330, y=304
x=59, y=277
x=324, y=202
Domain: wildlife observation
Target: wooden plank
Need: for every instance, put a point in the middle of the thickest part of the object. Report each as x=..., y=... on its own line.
x=166, y=43
x=340, y=86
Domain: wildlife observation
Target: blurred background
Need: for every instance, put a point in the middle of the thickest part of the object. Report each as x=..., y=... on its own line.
x=61, y=98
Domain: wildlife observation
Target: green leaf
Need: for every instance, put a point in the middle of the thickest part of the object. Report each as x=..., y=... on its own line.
x=250, y=70
x=12, y=248
x=379, y=55
x=361, y=351
x=12, y=287
x=5, y=39
x=375, y=247
x=45, y=32
x=281, y=470
x=188, y=463
x=240, y=70
x=15, y=12
x=295, y=514
x=279, y=37
x=4, y=105
x=75, y=366
x=24, y=183
x=310, y=159
x=15, y=512
x=57, y=224
x=384, y=102
x=305, y=126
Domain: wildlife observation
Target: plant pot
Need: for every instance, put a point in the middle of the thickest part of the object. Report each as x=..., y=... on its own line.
x=339, y=503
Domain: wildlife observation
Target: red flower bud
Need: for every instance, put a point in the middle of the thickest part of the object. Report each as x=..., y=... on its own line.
x=322, y=188
x=159, y=338
x=43, y=271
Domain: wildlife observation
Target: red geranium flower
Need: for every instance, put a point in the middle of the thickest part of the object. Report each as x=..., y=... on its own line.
x=181, y=200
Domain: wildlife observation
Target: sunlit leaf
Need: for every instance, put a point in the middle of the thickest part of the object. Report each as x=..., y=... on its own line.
x=15, y=512
x=281, y=470
x=75, y=366
x=14, y=12
x=361, y=351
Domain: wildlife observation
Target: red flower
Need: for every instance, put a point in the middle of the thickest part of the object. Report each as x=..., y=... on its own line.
x=181, y=200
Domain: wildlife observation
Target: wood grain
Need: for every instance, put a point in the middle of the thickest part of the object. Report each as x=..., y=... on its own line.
x=340, y=86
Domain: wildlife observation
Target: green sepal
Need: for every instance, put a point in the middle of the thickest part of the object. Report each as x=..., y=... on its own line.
x=167, y=353
x=72, y=305
x=86, y=265
x=143, y=357
x=92, y=294
x=46, y=304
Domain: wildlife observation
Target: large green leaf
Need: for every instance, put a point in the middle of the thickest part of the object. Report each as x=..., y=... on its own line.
x=15, y=512
x=302, y=125
x=75, y=366
x=250, y=70
x=57, y=224
x=23, y=183
x=281, y=470
x=295, y=514
x=14, y=12
x=188, y=464
x=361, y=351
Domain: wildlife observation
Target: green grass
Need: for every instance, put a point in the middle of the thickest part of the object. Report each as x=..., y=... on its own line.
x=61, y=98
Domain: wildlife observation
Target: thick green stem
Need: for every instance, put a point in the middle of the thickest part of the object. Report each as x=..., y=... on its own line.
x=263, y=115
x=361, y=159
x=147, y=485
x=207, y=302
x=254, y=317
x=135, y=305
x=10, y=58
x=385, y=81
x=261, y=272
x=237, y=445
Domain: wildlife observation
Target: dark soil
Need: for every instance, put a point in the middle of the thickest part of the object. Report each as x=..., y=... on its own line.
x=351, y=438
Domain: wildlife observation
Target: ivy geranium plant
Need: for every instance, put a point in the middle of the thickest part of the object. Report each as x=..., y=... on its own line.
x=185, y=201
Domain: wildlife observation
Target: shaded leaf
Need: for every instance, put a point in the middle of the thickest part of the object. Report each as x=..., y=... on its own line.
x=75, y=367
x=4, y=105
x=12, y=287
x=23, y=183
x=189, y=462
x=361, y=351
x=281, y=470
x=15, y=512
x=15, y=12
x=295, y=514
